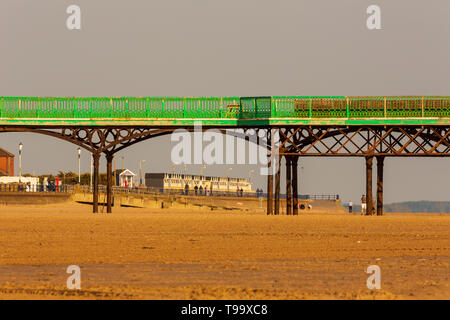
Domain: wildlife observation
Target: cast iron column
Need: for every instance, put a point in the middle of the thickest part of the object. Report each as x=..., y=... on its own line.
x=277, y=187
x=380, y=168
x=369, y=195
x=295, y=185
x=288, y=186
x=109, y=160
x=96, y=157
x=270, y=189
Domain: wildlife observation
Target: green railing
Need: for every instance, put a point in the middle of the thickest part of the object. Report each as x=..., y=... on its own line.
x=126, y=107
x=325, y=107
x=361, y=107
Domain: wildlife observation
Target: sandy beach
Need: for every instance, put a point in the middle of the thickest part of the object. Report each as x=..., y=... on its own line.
x=187, y=254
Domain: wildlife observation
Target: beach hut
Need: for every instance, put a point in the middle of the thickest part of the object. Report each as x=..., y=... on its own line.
x=126, y=178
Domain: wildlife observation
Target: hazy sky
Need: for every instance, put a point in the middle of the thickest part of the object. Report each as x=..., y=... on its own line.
x=229, y=47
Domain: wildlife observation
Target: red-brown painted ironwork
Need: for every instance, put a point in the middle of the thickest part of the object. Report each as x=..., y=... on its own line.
x=96, y=157
x=288, y=186
x=295, y=141
x=277, y=187
x=380, y=168
x=295, y=185
x=369, y=182
x=269, y=191
x=109, y=160
x=364, y=141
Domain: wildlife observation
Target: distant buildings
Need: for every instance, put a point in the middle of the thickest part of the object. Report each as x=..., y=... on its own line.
x=124, y=178
x=7, y=173
x=168, y=181
x=6, y=163
x=31, y=183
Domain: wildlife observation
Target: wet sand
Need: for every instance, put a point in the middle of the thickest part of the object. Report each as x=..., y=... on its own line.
x=185, y=254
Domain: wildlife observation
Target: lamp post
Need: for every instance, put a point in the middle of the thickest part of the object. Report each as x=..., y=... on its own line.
x=140, y=171
x=79, y=165
x=20, y=161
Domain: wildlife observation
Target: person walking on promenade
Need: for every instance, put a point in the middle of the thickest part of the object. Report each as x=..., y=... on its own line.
x=363, y=205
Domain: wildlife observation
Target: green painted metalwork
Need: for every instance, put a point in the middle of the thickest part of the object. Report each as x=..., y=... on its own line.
x=225, y=111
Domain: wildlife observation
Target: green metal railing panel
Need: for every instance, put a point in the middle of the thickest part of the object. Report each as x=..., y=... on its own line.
x=248, y=108
x=328, y=108
x=397, y=107
x=255, y=107
x=309, y=107
x=238, y=108
x=366, y=107
x=289, y=107
x=436, y=107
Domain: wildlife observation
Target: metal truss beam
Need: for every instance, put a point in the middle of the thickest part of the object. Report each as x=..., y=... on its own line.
x=365, y=141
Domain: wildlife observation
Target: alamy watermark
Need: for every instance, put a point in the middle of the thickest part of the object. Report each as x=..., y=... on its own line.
x=74, y=280
x=212, y=146
x=374, y=281
x=73, y=22
x=373, y=22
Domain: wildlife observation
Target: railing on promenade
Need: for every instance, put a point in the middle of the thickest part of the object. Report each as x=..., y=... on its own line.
x=225, y=107
x=148, y=191
x=333, y=197
x=136, y=191
x=157, y=191
x=17, y=187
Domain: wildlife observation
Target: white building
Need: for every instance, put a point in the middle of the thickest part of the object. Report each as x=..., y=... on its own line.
x=31, y=183
x=168, y=181
x=126, y=178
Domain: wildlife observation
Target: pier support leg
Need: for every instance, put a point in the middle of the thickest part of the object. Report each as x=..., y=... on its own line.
x=295, y=185
x=369, y=194
x=277, y=187
x=96, y=157
x=270, y=190
x=288, y=186
x=109, y=160
x=380, y=168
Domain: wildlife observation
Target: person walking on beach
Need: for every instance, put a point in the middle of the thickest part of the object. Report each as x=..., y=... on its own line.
x=350, y=207
x=363, y=204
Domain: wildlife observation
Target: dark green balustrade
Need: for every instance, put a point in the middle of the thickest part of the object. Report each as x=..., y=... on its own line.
x=178, y=111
